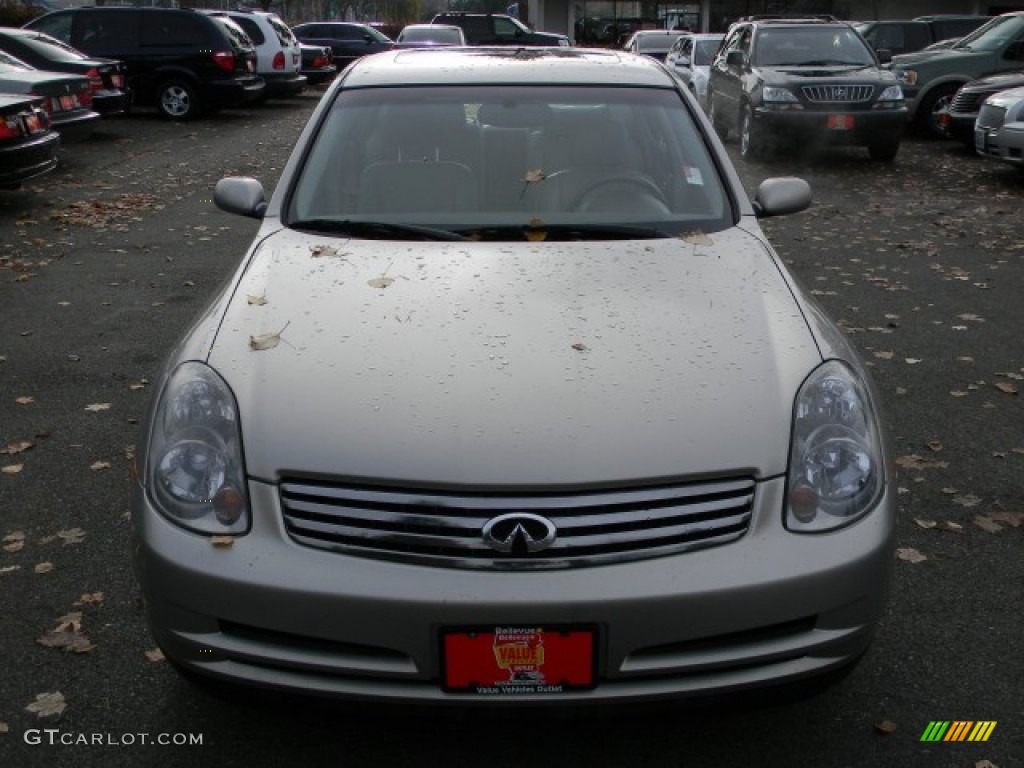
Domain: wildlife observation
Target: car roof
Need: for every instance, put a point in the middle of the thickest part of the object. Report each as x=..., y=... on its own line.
x=505, y=66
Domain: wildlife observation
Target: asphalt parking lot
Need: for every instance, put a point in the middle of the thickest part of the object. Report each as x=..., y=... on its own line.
x=104, y=262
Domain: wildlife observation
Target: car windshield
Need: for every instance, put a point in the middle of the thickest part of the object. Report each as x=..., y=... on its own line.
x=811, y=46
x=994, y=35
x=451, y=35
x=502, y=159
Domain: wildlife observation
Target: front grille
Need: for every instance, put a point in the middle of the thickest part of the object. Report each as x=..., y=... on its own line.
x=991, y=117
x=447, y=529
x=838, y=94
x=968, y=102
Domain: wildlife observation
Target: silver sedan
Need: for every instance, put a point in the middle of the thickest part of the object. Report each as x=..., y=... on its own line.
x=510, y=400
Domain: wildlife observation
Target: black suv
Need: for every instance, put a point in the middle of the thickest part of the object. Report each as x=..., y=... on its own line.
x=182, y=61
x=804, y=82
x=348, y=40
x=498, y=29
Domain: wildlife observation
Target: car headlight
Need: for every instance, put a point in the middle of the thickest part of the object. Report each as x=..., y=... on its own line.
x=836, y=471
x=906, y=76
x=195, y=468
x=773, y=93
x=892, y=93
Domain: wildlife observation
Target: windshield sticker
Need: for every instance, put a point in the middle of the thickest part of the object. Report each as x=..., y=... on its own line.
x=693, y=175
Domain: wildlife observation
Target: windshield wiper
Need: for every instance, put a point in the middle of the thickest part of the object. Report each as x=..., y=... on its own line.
x=555, y=232
x=375, y=230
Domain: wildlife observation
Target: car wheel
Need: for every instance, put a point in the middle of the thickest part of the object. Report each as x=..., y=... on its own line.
x=716, y=119
x=884, y=151
x=751, y=141
x=177, y=100
x=934, y=104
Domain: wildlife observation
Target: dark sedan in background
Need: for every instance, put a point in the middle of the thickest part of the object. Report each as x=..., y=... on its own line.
x=348, y=41
x=317, y=63
x=28, y=146
x=68, y=97
x=957, y=120
x=106, y=76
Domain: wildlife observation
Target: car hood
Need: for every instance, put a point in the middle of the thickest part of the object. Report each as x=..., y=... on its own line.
x=954, y=58
x=1002, y=81
x=502, y=364
x=785, y=74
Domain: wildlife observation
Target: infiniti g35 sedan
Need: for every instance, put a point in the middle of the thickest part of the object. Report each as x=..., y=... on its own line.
x=511, y=401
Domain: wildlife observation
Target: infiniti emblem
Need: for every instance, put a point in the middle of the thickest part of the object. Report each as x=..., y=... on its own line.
x=519, y=533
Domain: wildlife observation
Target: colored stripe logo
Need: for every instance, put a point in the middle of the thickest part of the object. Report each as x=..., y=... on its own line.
x=958, y=730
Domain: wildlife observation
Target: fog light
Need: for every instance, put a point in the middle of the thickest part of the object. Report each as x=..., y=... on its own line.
x=228, y=505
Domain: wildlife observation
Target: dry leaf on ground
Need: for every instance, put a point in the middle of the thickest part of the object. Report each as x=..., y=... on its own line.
x=12, y=469
x=885, y=726
x=155, y=655
x=48, y=704
x=910, y=555
x=97, y=407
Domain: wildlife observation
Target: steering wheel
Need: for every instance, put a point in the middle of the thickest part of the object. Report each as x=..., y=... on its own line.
x=627, y=193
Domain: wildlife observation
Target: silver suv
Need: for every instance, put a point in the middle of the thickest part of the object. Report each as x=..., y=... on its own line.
x=279, y=57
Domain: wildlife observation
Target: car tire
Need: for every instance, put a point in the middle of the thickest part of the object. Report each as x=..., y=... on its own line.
x=751, y=140
x=935, y=102
x=177, y=100
x=883, y=151
x=716, y=119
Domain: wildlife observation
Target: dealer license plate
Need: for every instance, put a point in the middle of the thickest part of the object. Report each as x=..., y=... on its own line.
x=840, y=122
x=517, y=660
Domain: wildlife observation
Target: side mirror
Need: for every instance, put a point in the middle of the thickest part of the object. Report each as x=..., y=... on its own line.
x=781, y=196
x=683, y=62
x=735, y=59
x=884, y=55
x=241, y=195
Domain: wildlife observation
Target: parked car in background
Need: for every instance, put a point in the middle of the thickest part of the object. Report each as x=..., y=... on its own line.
x=498, y=29
x=317, y=63
x=183, y=61
x=347, y=40
x=654, y=43
x=796, y=84
x=957, y=121
x=929, y=80
x=429, y=36
x=999, y=130
x=278, y=57
x=690, y=59
x=28, y=145
x=528, y=506
x=106, y=76
x=68, y=98
x=911, y=35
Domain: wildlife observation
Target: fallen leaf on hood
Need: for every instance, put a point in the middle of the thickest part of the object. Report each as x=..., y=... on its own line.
x=696, y=237
x=19, y=446
x=987, y=524
x=222, y=542
x=256, y=301
x=380, y=282
x=71, y=536
x=267, y=340
x=323, y=250
x=12, y=469
x=47, y=704
x=910, y=555
x=580, y=347
x=532, y=177
x=95, y=407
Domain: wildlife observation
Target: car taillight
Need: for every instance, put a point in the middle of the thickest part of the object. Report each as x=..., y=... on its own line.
x=320, y=60
x=225, y=60
x=10, y=128
x=95, y=81
x=85, y=99
x=279, y=60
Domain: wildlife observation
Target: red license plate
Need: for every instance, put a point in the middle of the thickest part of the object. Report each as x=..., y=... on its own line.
x=517, y=660
x=840, y=122
x=67, y=102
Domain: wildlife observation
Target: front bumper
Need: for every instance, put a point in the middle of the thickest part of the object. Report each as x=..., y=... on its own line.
x=868, y=126
x=1005, y=144
x=772, y=607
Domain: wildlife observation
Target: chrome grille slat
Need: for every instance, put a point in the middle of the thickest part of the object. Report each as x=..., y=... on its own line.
x=436, y=528
x=838, y=94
